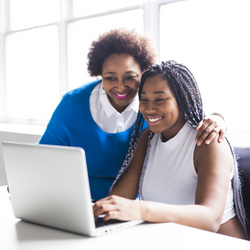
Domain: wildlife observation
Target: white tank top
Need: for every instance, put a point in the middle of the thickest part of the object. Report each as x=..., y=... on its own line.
x=171, y=177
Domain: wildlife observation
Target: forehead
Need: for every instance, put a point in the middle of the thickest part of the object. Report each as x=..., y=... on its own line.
x=155, y=85
x=120, y=63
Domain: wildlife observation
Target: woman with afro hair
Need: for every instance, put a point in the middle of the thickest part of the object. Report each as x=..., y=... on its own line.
x=100, y=116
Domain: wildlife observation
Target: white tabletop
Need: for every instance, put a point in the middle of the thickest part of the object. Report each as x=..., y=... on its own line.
x=16, y=234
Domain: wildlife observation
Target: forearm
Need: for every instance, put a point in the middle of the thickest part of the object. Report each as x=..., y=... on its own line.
x=125, y=188
x=197, y=216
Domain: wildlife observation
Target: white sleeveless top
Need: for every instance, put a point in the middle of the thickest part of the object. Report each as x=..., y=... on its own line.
x=171, y=177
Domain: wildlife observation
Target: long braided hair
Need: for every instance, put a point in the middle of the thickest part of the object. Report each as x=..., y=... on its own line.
x=188, y=97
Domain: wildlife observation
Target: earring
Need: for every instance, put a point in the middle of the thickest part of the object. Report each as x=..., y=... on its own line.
x=103, y=91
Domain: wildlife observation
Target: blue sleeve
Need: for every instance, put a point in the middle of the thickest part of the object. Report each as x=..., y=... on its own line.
x=55, y=134
x=65, y=123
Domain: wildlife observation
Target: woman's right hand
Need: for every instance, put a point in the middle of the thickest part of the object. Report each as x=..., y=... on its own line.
x=116, y=207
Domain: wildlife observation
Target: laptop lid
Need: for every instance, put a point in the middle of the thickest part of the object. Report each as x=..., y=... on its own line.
x=49, y=186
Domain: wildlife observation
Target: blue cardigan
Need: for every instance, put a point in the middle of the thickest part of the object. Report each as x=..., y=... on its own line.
x=72, y=125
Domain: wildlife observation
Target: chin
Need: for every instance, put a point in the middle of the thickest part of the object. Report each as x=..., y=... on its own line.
x=155, y=130
x=124, y=102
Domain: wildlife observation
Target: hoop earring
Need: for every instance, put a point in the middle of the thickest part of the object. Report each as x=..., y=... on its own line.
x=103, y=91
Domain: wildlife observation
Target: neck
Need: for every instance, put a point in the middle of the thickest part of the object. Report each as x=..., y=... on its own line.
x=174, y=130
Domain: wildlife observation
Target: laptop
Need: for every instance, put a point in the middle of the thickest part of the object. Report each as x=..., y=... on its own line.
x=49, y=186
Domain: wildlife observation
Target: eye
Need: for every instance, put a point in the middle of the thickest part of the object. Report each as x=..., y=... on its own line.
x=132, y=77
x=143, y=100
x=163, y=99
x=110, y=78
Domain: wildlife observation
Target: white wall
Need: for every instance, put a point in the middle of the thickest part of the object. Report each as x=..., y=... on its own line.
x=13, y=137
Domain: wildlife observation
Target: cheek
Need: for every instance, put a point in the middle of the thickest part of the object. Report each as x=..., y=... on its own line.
x=176, y=111
x=134, y=84
x=137, y=85
x=141, y=108
x=107, y=85
x=177, y=108
x=134, y=89
x=171, y=110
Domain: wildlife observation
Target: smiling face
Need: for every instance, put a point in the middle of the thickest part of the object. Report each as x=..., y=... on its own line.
x=121, y=76
x=160, y=108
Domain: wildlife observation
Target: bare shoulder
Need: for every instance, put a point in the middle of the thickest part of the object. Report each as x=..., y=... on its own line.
x=144, y=136
x=212, y=153
x=213, y=163
x=214, y=145
x=142, y=145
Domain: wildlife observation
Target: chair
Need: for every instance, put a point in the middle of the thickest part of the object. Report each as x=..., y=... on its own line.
x=244, y=168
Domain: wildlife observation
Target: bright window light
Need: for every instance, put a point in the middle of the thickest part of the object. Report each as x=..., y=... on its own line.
x=83, y=8
x=212, y=39
x=32, y=73
x=30, y=13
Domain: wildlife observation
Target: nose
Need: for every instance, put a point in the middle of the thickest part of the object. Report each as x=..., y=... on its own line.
x=150, y=108
x=120, y=86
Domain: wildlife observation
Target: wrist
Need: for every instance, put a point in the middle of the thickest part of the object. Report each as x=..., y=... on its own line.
x=219, y=118
x=219, y=115
x=142, y=210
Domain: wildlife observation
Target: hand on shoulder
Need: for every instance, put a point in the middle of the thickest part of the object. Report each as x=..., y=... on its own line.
x=208, y=129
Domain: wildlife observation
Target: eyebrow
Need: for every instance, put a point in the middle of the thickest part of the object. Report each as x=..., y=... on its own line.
x=155, y=92
x=127, y=72
x=108, y=73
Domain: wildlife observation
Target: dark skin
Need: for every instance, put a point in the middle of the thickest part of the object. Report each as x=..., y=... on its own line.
x=209, y=128
x=121, y=76
x=212, y=162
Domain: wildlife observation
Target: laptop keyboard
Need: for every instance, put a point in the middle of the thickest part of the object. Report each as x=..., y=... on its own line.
x=100, y=222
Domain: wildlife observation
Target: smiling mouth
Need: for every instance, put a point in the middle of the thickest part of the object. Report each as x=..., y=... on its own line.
x=121, y=96
x=154, y=120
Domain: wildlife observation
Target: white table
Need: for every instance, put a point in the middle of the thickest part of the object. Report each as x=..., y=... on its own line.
x=16, y=234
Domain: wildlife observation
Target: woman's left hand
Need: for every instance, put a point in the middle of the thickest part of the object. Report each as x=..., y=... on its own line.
x=115, y=207
x=208, y=129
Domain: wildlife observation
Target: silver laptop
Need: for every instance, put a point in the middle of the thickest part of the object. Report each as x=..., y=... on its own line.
x=49, y=186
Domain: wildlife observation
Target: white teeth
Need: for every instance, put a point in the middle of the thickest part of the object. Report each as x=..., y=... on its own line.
x=122, y=95
x=154, y=119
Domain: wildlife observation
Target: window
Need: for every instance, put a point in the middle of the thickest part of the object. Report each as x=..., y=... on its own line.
x=211, y=38
x=85, y=8
x=31, y=60
x=32, y=73
x=44, y=46
x=29, y=13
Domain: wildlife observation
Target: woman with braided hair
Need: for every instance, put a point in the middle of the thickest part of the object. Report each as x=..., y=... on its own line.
x=177, y=180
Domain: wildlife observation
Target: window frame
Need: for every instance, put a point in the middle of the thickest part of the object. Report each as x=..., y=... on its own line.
x=151, y=21
x=151, y=25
